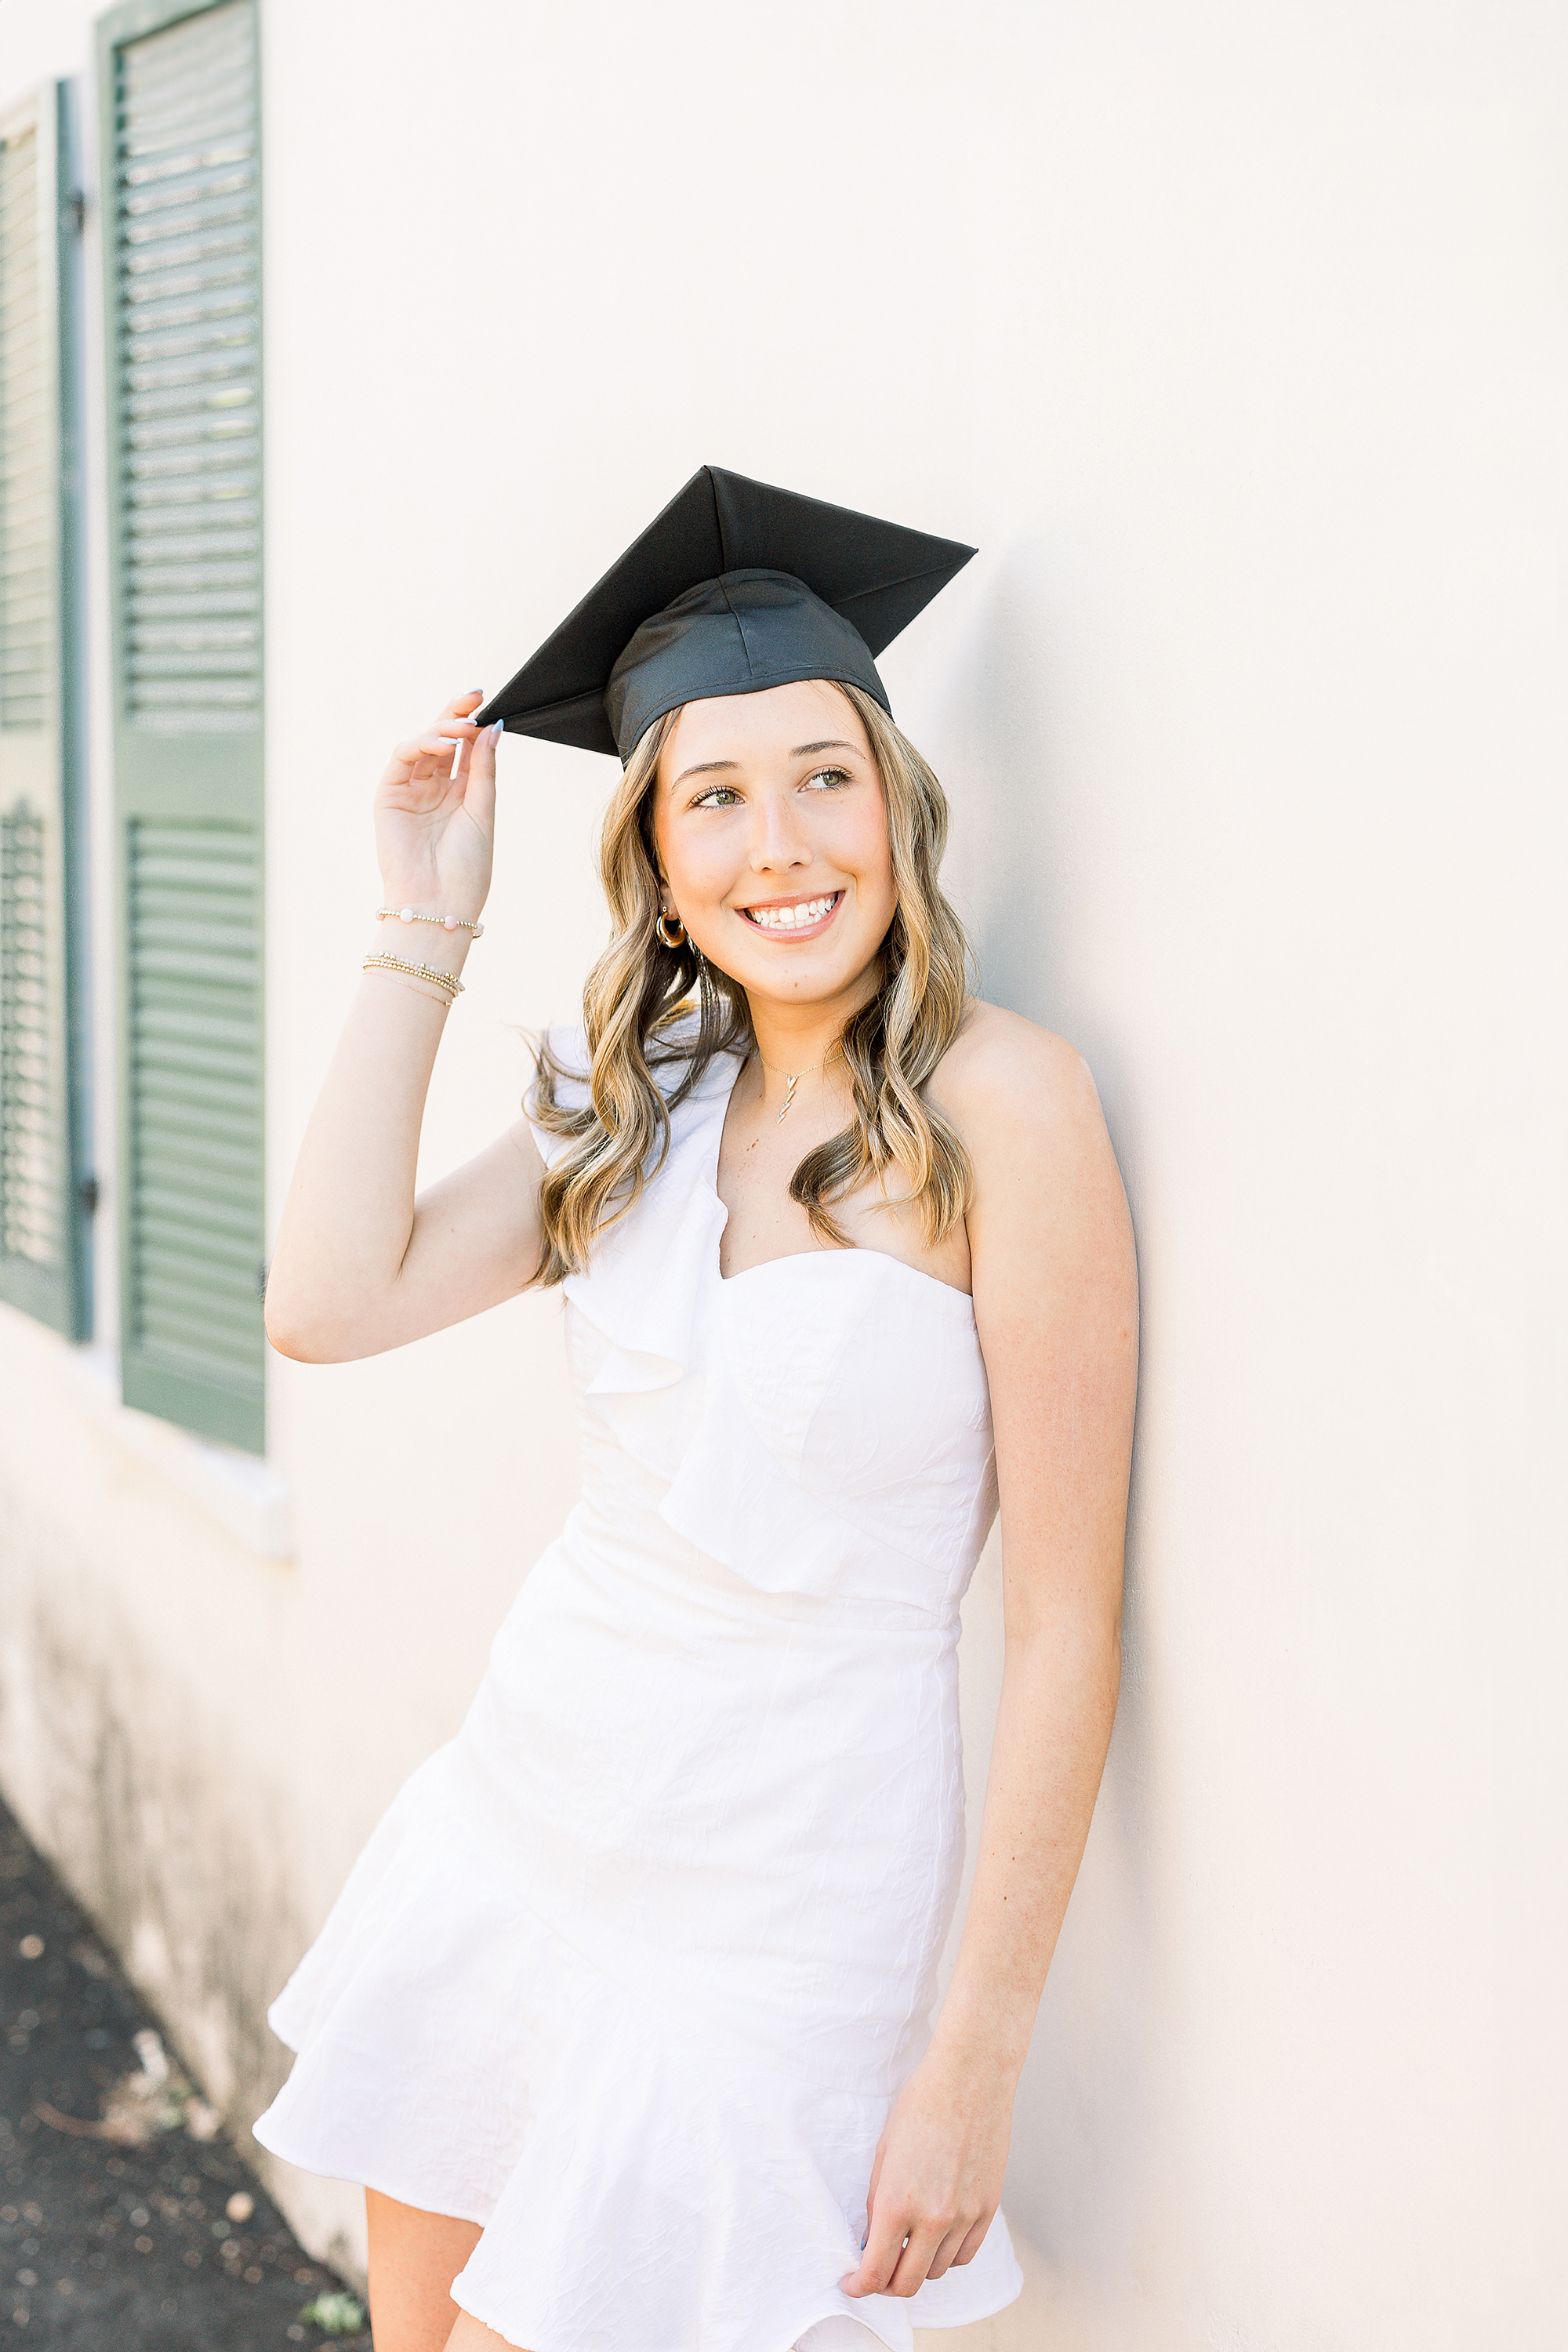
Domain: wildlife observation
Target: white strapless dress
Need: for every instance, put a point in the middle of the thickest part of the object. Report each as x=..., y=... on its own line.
x=631, y=1968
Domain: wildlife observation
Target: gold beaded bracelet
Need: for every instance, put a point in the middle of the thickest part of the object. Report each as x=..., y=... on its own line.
x=447, y=979
x=447, y=922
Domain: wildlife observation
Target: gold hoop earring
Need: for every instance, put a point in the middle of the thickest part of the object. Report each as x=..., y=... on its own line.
x=666, y=924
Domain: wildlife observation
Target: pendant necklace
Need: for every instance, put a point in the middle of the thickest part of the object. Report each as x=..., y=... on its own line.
x=793, y=1078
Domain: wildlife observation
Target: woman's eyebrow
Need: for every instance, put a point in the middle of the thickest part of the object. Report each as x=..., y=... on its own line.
x=801, y=751
x=705, y=768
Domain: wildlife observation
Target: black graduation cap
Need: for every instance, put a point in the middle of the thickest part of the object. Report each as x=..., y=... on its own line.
x=736, y=586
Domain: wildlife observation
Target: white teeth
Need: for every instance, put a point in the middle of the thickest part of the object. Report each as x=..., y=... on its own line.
x=791, y=918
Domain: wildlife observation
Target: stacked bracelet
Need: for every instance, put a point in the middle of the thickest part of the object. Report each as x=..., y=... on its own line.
x=447, y=922
x=447, y=979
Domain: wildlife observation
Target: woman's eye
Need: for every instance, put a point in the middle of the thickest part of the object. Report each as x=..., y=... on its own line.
x=716, y=796
x=826, y=779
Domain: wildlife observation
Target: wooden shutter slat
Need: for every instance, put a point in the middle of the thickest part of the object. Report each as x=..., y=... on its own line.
x=183, y=160
x=195, y=1091
x=44, y=1264
x=28, y=399
x=187, y=231
x=30, y=1218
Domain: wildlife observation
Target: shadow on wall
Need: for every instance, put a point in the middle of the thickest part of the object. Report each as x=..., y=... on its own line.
x=160, y=1835
x=1080, y=2179
x=1032, y=831
x=1005, y=867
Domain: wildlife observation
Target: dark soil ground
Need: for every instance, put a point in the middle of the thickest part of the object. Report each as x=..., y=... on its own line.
x=123, y=2244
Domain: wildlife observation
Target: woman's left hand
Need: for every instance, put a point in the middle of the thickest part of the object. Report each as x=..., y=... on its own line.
x=936, y=2181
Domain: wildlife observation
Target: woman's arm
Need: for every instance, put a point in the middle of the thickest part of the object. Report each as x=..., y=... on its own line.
x=359, y=1264
x=1056, y=1304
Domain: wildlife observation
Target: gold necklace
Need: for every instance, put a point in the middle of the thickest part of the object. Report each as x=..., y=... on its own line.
x=794, y=1079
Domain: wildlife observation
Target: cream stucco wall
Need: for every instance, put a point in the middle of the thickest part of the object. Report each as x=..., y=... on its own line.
x=1235, y=338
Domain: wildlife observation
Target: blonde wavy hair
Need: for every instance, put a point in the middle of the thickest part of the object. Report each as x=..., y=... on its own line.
x=619, y=1138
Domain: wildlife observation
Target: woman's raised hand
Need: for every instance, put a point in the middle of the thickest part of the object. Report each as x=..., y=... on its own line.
x=434, y=815
x=361, y=1264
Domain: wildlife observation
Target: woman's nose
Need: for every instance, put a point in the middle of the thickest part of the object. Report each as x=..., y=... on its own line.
x=780, y=838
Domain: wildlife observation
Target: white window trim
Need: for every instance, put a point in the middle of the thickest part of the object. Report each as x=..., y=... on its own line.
x=246, y=1495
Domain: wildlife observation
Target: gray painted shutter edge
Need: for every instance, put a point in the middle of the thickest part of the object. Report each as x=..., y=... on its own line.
x=181, y=178
x=45, y=1258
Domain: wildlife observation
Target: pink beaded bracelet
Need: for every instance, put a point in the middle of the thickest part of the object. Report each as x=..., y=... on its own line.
x=447, y=922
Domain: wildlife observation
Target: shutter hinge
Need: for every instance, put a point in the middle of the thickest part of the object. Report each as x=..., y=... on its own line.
x=73, y=212
x=87, y=1194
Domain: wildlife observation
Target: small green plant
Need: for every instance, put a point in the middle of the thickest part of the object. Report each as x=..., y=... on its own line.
x=335, y=2315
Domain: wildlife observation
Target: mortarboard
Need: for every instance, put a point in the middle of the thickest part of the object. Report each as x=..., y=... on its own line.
x=736, y=586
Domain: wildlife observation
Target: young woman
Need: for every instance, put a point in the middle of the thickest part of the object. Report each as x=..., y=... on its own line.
x=623, y=2017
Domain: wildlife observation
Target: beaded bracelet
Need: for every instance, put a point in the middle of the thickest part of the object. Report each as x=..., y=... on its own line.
x=447, y=979
x=447, y=922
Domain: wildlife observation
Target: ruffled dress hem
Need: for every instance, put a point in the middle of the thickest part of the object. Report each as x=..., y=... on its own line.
x=636, y=2186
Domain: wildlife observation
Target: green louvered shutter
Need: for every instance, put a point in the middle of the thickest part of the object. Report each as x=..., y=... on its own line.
x=44, y=1258
x=178, y=98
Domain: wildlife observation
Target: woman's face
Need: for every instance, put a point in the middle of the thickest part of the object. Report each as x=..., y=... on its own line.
x=773, y=833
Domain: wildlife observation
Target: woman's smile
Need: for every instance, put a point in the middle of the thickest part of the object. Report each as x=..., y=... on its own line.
x=793, y=918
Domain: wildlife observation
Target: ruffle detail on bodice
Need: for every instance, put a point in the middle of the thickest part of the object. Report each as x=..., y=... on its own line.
x=646, y=1285
x=773, y=1464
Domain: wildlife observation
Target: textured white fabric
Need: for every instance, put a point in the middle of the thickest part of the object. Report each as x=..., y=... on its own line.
x=631, y=1968
x=836, y=2335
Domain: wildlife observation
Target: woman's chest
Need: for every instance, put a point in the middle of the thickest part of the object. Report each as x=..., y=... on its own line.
x=851, y=1373
x=757, y=1163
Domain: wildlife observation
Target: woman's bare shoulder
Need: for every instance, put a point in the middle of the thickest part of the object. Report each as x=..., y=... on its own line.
x=1046, y=1192
x=1003, y=1072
